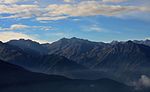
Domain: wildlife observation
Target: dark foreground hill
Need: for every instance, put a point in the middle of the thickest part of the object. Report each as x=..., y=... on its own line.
x=17, y=79
x=11, y=75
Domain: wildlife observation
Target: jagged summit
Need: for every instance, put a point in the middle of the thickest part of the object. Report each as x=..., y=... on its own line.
x=74, y=39
x=24, y=40
x=28, y=46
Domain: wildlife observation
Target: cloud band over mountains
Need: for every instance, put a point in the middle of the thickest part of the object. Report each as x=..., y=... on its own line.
x=65, y=10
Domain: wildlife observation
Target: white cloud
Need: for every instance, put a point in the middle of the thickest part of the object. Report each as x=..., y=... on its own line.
x=148, y=38
x=44, y=28
x=94, y=28
x=114, y=1
x=90, y=8
x=78, y=9
x=10, y=1
x=58, y=34
x=6, y=36
x=20, y=11
x=16, y=8
x=76, y=19
x=15, y=27
x=68, y=1
x=51, y=18
x=143, y=82
x=21, y=26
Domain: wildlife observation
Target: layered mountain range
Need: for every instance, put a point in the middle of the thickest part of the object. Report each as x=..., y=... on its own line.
x=78, y=58
x=16, y=79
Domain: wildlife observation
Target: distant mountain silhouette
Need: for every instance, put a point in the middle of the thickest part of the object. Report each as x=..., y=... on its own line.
x=116, y=58
x=50, y=64
x=78, y=50
x=29, y=46
x=125, y=55
x=79, y=58
x=125, y=60
x=145, y=42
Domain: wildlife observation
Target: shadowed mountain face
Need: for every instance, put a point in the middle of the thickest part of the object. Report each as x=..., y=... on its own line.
x=50, y=64
x=12, y=74
x=90, y=53
x=85, y=52
x=78, y=58
x=104, y=85
x=82, y=51
x=146, y=42
x=123, y=60
x=16, y=79
x=29, y=46
x=126, y=55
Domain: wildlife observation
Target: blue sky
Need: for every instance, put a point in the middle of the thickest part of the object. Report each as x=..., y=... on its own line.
x=96, y=20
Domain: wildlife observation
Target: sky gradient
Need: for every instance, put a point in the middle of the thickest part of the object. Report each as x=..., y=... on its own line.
x=96, y=20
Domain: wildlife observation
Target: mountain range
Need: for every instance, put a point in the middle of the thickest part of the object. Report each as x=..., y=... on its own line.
x=81, y=59
x=16, y=79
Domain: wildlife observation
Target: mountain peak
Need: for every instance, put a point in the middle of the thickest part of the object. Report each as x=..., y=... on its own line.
x=114, y=42
x=24, y=40
x=147, y=40
x=126, y=44
x=64, y=38
x=130, y=42
x=73, y=38
x=28, y=46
